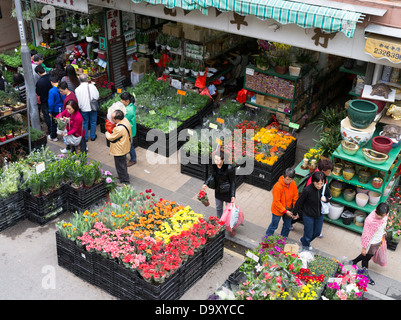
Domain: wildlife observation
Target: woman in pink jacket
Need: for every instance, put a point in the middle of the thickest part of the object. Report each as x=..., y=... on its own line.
x=74, y=126
x=372, y=235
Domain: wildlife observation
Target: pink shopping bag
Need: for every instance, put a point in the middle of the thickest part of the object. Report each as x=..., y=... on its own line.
x=232, y=216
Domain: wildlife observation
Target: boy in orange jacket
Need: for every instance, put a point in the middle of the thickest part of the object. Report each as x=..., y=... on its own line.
x=285, y=195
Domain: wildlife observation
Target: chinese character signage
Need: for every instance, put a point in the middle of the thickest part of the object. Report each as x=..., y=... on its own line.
x=384, y=47
x=113, y=24
x=76, y=5
x=102, y=43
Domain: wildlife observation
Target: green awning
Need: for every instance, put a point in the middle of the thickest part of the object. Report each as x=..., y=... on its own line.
x=285, y=12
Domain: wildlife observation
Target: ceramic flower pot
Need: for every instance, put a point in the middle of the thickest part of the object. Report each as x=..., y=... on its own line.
x=348, y=173
x=337, y=169
x=363, y=176
x=361, y=113
x=361, y=199
x=335, y=189
x=374, y=197
x=382, y=144
x=361, y=190
x=377, y=182
x=280, y=70
x=361, y=138
x=386, y=190
x=349, y=195
x=335, y=210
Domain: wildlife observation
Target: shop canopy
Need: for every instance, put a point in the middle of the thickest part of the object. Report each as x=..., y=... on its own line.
x=285, y=12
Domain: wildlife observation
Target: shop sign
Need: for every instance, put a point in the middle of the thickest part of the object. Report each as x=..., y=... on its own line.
x=76, y=5
x=102, y=43
x=113, y=24
x=383, y=47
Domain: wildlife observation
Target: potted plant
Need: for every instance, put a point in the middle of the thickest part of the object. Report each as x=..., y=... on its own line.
x=75, y=31
x=262, y=62
x=169, y=66
x=202, y=70
x=173, y=43
x=281, y=64
x=157, y=56
x=89, y=32
x=2, y=135
x=176, y=65
x=330, y=119
x=195, y=69
x=162, y=40
x=328, y=142
x=187, y=66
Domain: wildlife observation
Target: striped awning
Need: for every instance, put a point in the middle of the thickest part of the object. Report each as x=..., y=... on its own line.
x=285, y=12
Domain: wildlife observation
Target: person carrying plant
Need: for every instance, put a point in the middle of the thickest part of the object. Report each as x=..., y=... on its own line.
x=128, y=101
x=75, y=132
x=372, y=237
x=120, y=144
x=285, y=195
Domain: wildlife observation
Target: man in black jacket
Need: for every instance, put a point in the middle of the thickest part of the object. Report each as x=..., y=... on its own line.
x=42, y=90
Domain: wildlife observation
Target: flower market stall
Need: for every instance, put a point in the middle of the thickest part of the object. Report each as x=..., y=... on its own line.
x=160, y=107
x=139, y=246
x=42, y=186
x=276, y=271
x=271, y=150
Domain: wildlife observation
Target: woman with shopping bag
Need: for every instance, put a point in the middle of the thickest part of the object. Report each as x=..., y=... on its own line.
x=312, y=203
x=75, y=132
x=222, y=179
x=373, y=240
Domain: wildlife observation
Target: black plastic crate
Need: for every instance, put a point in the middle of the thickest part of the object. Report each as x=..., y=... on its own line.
x=392, y=245
x=49, y=205
x=42, y=220
x=83, y=198
x=65, y=252
x=11, y=210
x=168, y=290
x=124, y=283
x=84, y=264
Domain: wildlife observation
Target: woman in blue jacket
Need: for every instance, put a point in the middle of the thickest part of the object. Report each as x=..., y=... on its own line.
x=55, y=102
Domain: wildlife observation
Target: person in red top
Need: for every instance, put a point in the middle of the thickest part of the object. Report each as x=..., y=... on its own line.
x=285, y=195
x=67, y=93
x=75, y=125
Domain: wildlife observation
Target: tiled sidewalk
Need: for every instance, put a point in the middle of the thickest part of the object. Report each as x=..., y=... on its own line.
x=167, y=181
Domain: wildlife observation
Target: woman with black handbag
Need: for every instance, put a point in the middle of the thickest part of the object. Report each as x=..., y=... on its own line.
x=222, y=180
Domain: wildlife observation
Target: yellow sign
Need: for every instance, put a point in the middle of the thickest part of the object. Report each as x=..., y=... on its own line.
x=181, y=92
x=118, y=90
x=219, y=141
x=383, y=47
x=220, y=120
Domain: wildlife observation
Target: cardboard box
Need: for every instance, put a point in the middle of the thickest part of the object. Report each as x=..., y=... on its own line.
x=176, y=30
x=101, y=54
x=270, y=104
x=167, y=28
x=138, y=67
x=274, y=99
x=145, y=62
x=260, y=99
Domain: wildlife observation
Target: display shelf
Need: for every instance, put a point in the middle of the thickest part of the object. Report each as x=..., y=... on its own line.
x=358, y=70
x=358, y=158
x=301, y=172
x=296, y=97
x=355, y=182
x=339, y=222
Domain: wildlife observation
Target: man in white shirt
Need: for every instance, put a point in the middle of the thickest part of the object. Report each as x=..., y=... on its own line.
x=84, y=93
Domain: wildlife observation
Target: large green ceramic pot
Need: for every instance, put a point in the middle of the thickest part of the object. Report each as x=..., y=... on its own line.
x=361, y=113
